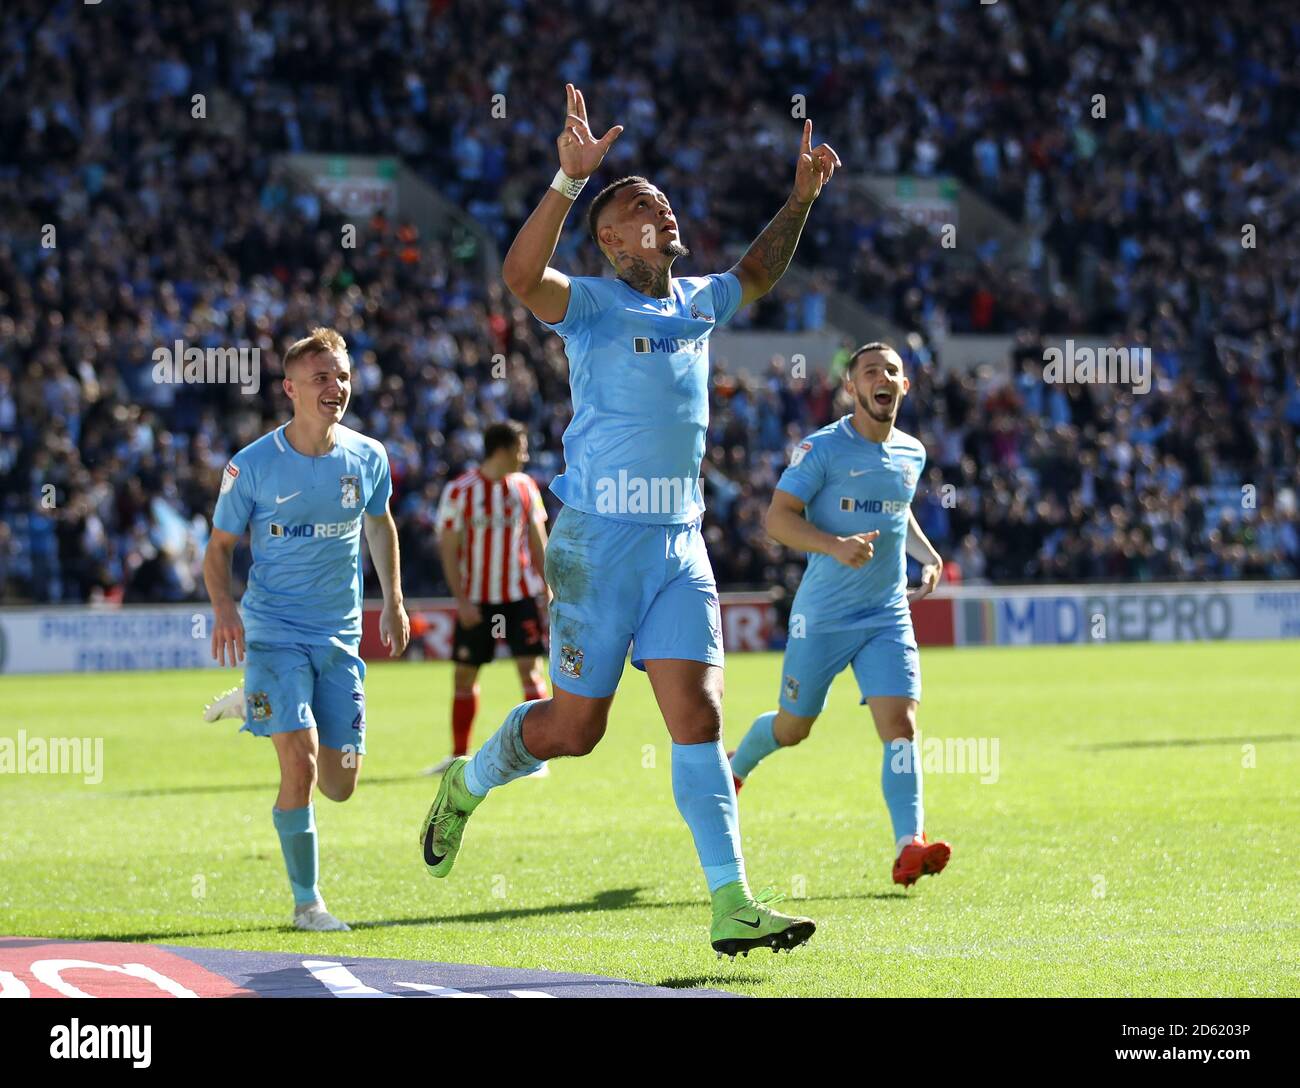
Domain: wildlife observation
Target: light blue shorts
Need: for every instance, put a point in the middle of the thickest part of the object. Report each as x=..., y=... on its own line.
x=619, y=584
x=297, y=685
x=885, y=661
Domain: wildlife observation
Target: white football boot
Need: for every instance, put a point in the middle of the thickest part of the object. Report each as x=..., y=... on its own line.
x=314, y=917
x=229, y=705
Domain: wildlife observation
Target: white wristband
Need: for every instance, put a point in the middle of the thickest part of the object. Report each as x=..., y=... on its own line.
x=567, y=186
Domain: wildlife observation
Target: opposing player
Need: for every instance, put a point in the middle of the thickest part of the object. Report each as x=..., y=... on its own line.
x=626, y=562
x=304, y=491
x=492, y=539
x=846, y=500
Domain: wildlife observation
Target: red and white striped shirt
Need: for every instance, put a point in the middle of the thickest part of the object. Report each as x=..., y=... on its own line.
x=493, y=516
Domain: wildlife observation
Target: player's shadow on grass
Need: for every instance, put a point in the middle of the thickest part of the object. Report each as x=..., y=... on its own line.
x=1189, y=742
x=613, y=899
x=256, y=787
x=722, y=982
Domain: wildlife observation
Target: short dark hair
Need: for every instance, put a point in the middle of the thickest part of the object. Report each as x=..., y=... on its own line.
x=602, y=198
x=874, y=345
x=503, y=436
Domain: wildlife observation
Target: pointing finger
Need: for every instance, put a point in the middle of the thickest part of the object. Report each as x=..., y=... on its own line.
x=805, y=145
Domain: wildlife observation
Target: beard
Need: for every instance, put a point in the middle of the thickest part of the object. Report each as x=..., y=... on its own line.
x=674, y=248
x=873, y=410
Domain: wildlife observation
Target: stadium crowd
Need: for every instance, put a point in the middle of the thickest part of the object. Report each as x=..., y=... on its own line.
x=168, y=226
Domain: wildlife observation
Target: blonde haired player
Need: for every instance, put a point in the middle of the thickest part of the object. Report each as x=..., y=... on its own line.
x=305, y=492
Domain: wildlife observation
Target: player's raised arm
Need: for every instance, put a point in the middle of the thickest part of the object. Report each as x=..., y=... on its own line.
x=769, y=256
x=785, y=523
x=526, y=270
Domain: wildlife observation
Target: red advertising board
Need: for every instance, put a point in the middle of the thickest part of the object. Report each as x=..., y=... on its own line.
x=747, y=622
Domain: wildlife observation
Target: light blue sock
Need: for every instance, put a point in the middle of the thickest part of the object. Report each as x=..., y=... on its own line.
x=297, y=830
x=503, y=758
x=900, y=782
x=759, y=742
x=706, y=798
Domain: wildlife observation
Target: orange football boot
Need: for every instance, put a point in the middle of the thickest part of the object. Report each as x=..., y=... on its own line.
x=920, y=858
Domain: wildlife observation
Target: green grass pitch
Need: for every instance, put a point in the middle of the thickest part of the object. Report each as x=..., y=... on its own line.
x=1139, y=839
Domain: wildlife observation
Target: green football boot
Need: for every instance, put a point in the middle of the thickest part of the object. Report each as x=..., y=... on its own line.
x=742, y=921
x=445, y=824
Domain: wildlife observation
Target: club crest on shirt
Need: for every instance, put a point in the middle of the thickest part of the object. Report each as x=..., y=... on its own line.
x=699, y=314
x=571, y=661
x=351, y=491
x=259, y=706
x=909, y=475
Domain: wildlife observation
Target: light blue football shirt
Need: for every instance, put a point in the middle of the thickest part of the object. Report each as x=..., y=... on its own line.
x=639, y=372
x=304, y=519
x=851, y=485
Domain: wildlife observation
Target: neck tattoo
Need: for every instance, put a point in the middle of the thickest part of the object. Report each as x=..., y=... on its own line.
x=641, y=275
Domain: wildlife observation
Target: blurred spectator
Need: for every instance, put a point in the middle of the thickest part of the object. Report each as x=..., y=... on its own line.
x=127, y=223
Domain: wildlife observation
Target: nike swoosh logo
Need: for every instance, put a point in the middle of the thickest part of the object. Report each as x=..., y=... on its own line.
x=859, y=472
x=430, y=858
x=279, y=500
x=752, y=925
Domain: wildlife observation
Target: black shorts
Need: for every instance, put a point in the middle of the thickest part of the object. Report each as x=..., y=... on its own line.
x=518, y=622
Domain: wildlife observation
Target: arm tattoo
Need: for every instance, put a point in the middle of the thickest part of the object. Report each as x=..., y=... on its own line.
x=775, y=246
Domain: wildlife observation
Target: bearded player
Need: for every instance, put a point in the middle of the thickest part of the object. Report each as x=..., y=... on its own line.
x=626, y=561
x=305, y=491
x=846, y=500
